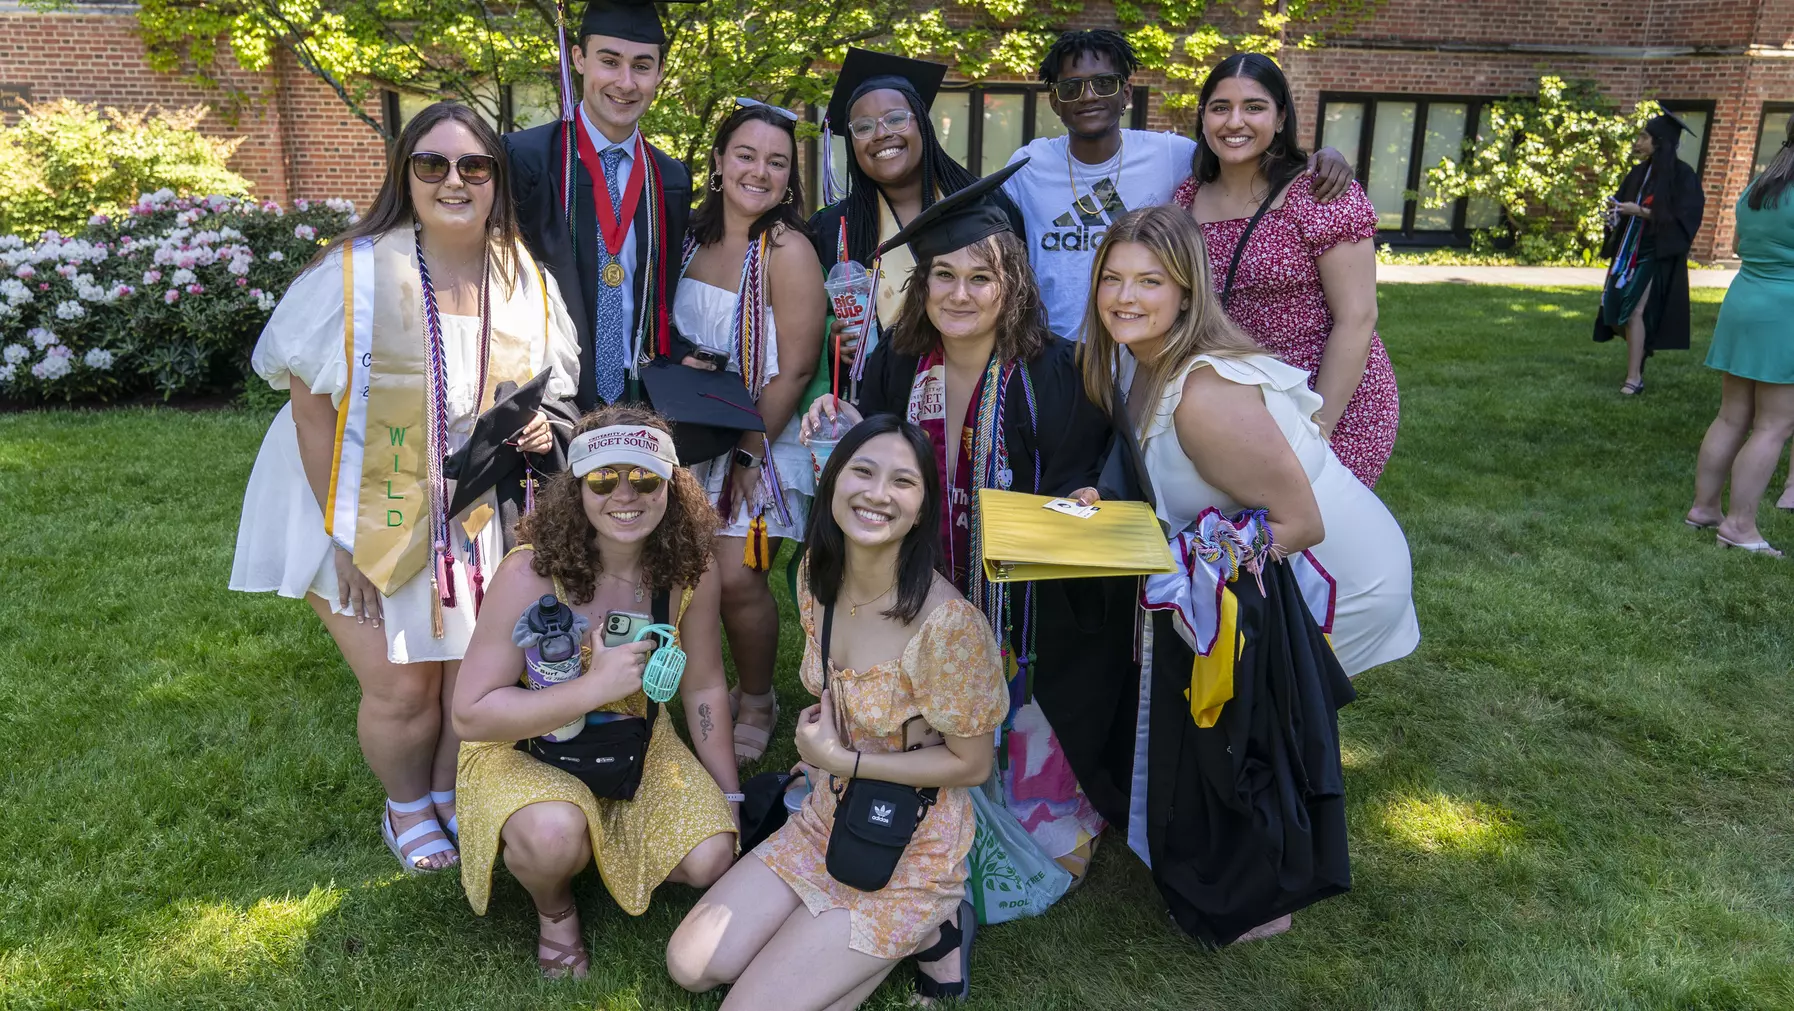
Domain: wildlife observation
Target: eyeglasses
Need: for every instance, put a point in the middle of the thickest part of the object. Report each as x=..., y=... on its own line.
x=604, y=480
x=1101, y=86
x=755, y=103
x=474, y=169
x=895, y=121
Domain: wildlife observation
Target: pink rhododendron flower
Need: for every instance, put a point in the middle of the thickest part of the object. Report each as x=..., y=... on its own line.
x=170, y=295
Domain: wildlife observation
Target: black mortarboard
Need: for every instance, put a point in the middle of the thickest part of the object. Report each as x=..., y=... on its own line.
x=864, y=70
x=1668, y=128
x=634, y=20
x=956, y=220
x=709, y=410
x=489, y=457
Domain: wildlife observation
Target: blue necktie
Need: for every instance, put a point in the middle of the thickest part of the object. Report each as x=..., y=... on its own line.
x=609, y=357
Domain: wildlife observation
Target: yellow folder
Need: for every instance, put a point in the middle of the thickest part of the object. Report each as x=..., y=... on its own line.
x=1023, y=540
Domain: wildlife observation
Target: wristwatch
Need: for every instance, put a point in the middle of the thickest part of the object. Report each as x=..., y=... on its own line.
x=745, y=459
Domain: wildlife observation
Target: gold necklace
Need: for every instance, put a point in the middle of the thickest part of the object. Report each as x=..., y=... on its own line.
x=1077, y=202
x=635, y=583
x=853, y=609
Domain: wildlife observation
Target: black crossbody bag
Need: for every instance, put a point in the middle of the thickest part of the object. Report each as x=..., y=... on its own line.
x=606, y=757
x=874, y=819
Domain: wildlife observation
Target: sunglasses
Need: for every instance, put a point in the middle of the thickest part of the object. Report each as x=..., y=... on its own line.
x=895, y=121
x=755, y=103
x=604, y=480
x=1101, y=86
x=474, y=169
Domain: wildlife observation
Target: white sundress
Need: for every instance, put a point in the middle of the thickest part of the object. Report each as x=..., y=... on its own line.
x=1364, y=549
x=281, y=544
x=705, y=313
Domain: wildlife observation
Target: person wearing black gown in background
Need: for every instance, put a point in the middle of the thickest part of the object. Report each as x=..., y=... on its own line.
x=1652, y=222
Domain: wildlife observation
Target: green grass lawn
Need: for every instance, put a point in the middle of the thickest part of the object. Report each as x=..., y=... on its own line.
x=1575, y=795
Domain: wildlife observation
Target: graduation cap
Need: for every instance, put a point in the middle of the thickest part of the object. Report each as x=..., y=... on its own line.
x=709, y=410
x=956, y=220
x=489, y=457
x=1667, y=127
x=634, y=20
x=864, y=70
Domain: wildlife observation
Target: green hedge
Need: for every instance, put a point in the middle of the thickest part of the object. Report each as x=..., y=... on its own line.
x=166, y=298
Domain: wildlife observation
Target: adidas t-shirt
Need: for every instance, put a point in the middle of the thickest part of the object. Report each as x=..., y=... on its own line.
x=1062, y=238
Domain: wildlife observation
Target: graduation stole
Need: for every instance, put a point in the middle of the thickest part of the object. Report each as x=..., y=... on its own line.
x=1625, y=260
x=751, y=350
x=653, y=329
x=982, y=449
x=381, y=499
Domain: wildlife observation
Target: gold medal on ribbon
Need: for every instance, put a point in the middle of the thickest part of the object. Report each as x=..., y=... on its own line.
x=613, y=274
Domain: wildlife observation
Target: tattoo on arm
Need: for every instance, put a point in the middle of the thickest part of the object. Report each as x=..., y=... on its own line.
x=705, y=723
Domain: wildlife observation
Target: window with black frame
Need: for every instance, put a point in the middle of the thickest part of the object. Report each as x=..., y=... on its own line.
x=1391, y=140
x=521, y=104
x=1772, y=131
x=981, y=126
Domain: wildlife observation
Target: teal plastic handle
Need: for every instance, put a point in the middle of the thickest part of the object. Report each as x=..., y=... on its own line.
x=660, y=681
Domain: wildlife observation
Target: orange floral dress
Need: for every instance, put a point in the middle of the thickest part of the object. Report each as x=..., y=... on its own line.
x=951, y=673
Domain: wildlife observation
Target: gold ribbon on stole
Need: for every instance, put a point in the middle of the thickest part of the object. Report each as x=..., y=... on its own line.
x=381, y=422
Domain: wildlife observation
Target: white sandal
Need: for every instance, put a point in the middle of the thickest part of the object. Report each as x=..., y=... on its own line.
x=415, y=843
x=440, y=797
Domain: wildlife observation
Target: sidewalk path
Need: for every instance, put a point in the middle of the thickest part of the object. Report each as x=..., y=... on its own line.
x=1542, y=277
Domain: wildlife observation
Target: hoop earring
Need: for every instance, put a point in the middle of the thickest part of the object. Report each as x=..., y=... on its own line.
x=789, y=196
x=716, y=180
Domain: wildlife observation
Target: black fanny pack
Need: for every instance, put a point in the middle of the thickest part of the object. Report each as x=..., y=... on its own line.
x=607, y=757
x=874, y=819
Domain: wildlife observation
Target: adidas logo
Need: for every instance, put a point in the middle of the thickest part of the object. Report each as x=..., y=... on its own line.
x=1077, y=230
x=881, y=814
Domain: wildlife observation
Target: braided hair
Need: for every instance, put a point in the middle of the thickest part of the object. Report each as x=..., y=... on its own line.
x=939, y=171
x=1091, y=42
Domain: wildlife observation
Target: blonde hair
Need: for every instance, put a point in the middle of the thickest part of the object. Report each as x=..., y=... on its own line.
x=1171, y=235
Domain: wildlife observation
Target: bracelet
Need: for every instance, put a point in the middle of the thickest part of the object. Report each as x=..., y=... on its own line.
x=735, y=798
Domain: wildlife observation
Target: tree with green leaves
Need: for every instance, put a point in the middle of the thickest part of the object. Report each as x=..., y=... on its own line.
x=1550, y=161
x=768, y=49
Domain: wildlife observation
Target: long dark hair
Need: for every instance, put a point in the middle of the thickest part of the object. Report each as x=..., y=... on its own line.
x=392, y=206
x=1767, y=190
x=1285, y=157
x=1021, y=323
x=707, y=221
x=1666, y=135
x=920, y=553
x=939, y=171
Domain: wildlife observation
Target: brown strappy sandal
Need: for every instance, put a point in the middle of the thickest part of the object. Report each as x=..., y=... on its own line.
x=571, y=961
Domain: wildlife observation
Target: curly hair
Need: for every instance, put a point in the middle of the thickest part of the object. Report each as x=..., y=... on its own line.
x=566, y=546
x=1021, y=322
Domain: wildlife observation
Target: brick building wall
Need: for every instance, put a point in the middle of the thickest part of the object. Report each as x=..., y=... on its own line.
x=299, y=139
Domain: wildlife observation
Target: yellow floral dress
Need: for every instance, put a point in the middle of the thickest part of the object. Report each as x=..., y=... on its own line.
x=635, y=843
x=951, y=673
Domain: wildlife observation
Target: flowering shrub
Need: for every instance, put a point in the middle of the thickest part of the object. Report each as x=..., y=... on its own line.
x=167, y=297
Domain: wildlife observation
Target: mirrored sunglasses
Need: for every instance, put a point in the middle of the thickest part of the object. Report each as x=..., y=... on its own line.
x=755, y=103
x=474, y=169
x=604, y=480
x=1101, y=86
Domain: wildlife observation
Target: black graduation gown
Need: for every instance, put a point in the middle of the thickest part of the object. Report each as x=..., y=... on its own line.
x=825, y=234
x=1245, y=820
x=535, y=187
x=1669, y=296
x=1084, y=677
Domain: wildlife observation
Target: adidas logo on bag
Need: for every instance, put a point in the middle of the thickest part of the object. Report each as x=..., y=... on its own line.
x=1082, y=230
x=880, y=814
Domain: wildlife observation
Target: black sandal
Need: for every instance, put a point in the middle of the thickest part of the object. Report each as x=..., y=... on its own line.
x=952, y=936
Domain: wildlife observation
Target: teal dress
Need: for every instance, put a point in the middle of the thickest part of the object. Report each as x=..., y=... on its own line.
x=1753, y=339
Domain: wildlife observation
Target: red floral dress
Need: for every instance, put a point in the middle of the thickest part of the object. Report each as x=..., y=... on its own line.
x=1278, y=300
